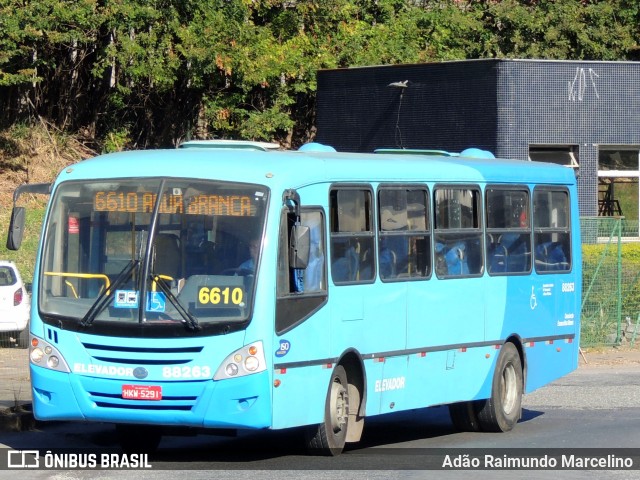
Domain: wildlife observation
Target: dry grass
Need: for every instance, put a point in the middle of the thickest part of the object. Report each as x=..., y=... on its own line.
x=32, y=154
x=35, y=154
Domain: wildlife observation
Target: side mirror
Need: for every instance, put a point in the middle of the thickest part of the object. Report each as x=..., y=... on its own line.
x=299, y=247
x=16, y=228
x=16, y=225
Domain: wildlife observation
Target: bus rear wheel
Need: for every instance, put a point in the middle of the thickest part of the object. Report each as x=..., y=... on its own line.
x=501, y=412
x=330, y=436
x=464, y=416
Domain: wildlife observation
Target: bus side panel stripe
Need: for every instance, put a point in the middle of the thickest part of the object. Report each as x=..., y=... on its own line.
x=412, y=351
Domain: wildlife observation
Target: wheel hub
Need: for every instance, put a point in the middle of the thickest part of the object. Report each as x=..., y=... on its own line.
x=339, y=406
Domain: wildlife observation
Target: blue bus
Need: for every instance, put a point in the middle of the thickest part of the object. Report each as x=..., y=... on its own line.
x=226, y=286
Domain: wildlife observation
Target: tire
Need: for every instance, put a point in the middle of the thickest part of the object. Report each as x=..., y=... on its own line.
x=464, y=416
x=330, y=436
x=138, y=438
x=501, y=412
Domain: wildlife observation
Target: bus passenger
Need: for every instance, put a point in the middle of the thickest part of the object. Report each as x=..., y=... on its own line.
x=314, y=273
x=346, y=263
x=249, y=265
x=199, y=252
x=388, y=259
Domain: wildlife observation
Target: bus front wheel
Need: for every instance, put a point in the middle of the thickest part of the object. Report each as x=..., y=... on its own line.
x=329, y=437
x=502, y=411
x=138, y=438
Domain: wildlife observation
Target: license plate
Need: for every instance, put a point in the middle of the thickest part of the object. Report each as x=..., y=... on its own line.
x=142, y=392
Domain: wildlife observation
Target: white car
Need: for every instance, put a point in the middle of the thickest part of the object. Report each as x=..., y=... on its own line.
x=14, y=306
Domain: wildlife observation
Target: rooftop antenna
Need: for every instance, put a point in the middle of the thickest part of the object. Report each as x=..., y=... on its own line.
x=398, y=133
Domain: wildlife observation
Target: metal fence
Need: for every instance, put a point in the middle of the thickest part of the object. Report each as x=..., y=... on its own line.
x=611, y=281
x=610, y=303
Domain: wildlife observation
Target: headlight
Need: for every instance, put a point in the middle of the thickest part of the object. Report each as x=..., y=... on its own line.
x=251, y=364
x=244, y=361
x=53, y=362
x=36, y=355
x=46, y=355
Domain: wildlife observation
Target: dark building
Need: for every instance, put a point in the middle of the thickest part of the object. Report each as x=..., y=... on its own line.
x=585, y=115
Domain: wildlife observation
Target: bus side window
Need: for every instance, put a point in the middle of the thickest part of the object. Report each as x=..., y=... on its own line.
x=458, y=231
x=300, y=292
x=508, y=240
x=352, y=255
x=552, y=230
x=312, y=278
x=404, y=231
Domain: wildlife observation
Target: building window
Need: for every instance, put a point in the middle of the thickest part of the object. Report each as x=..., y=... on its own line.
x=565, y=155
x=618, y=179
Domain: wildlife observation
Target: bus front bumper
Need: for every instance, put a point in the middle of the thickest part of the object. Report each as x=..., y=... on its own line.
x=237, y=403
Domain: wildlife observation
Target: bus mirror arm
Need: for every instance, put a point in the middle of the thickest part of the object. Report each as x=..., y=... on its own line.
x=40, y=188
x=291, y=199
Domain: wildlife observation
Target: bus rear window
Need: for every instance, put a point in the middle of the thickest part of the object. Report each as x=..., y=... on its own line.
x=552, y=231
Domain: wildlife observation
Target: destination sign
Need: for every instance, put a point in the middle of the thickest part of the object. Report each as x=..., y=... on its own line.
x=204, y=204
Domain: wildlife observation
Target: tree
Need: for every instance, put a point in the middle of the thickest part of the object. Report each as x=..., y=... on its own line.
x=139, y=73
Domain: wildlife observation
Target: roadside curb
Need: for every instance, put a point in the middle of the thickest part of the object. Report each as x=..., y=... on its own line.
x=17, y=419
x=610, y=357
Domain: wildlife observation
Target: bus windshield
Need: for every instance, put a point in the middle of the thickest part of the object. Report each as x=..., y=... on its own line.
x=152, y=252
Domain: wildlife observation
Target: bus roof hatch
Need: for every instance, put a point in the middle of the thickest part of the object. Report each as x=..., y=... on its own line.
x=407, y=151
x=230, y=145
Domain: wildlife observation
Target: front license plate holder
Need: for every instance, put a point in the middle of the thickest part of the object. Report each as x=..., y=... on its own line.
x=142, y=392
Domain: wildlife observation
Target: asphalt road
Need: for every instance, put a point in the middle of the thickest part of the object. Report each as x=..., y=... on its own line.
x=593, y=408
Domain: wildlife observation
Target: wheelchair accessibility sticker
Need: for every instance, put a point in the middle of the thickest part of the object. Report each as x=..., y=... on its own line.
x=156, y=302
x=533, y=301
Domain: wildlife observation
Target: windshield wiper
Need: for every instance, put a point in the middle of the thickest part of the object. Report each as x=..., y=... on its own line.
x=107, y=294
x=190, y=322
